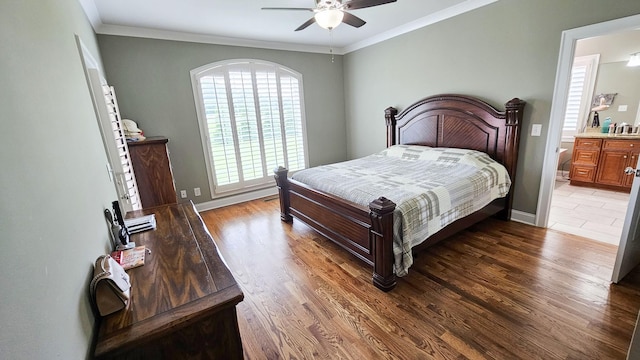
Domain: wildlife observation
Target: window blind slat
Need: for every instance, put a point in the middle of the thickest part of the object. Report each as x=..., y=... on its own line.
x=577, y=111
x=254, y=122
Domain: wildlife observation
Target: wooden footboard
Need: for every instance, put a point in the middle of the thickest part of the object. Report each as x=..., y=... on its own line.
x=367, y=233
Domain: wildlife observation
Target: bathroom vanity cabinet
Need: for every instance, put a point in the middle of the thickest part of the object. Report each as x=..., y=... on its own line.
x=600, y=161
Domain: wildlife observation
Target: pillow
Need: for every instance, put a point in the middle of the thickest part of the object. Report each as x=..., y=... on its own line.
x=405, y=151
x=451, y=156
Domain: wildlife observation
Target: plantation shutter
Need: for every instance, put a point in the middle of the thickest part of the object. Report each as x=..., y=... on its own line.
x=577, y=112
x=252, y=114
x=574, y=99
x=115, y=143
x=124, y=175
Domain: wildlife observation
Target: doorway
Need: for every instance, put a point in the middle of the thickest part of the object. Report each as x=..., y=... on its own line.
x=599, y=67
x=569, y=49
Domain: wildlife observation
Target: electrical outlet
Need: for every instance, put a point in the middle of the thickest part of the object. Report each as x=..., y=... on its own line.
x=196, y=191
x=183, y=194
x=622, y=108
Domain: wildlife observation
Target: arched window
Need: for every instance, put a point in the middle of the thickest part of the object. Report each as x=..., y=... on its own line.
x=251, y=116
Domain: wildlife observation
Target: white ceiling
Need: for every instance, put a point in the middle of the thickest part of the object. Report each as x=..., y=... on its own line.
x=243, y=23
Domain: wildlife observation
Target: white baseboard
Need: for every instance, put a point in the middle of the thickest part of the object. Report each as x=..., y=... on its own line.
x=236, y=199
x=523, y=217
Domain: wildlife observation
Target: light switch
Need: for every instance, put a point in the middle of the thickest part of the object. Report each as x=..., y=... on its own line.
x=622, y=107
x=536, y=129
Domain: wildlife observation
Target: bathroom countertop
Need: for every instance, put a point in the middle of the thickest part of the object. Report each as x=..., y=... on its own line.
x=599, y=135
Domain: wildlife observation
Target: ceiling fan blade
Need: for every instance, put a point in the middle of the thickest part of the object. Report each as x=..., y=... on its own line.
x=360, y=4
x=286, y=8
x=352, y=20
x=306, y=24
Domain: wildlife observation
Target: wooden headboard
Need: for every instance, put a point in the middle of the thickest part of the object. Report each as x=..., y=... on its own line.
x=460, y=121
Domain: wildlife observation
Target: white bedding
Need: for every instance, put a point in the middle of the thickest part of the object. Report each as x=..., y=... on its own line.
x=432, y=187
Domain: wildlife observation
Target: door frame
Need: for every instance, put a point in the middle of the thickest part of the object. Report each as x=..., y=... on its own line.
x=95, y=82
x=559, y=103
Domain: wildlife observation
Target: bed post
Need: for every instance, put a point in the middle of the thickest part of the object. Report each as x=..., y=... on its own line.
x=514, y=112
x=390, y=116
x=382, y=240
x=282, y=181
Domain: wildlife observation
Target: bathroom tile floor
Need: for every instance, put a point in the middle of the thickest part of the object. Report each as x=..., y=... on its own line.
x=592, y=213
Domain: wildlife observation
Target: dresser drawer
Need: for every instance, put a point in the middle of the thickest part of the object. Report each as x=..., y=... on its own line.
x=583, y=143
x=585, y=156
x=583, y=173
x=621, y=145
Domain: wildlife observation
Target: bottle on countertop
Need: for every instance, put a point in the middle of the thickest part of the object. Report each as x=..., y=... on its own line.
x=605, y=125
x=596, y=119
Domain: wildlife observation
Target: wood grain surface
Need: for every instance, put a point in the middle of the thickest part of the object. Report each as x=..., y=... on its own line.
x=499, y=290
x=182, y=289
x=150, y=160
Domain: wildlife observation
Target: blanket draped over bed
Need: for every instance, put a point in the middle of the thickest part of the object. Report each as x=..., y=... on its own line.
x=431, y=187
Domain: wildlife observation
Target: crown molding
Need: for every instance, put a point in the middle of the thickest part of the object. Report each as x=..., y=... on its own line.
x=447, y=13
x=94, y=18
x=208, y=39
x=90, y=9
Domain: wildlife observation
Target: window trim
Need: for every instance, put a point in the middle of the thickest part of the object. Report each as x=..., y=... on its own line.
x=195, y=75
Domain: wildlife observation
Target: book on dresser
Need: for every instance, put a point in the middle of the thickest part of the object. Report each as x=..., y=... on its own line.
x=130, y=258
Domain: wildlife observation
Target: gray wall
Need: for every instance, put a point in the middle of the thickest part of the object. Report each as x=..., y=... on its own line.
x=53, y=184
x=153, y=86
x=500, y=51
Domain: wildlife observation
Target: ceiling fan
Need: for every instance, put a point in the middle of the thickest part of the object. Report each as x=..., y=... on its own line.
x=331, y=13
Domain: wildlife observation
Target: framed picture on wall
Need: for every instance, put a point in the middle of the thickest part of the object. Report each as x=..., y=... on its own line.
x=603, y=99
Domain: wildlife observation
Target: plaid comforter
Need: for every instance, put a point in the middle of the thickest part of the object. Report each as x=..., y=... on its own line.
x=432, y=187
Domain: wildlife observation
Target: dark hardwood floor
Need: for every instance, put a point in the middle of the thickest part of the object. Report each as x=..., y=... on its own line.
x=501, y=290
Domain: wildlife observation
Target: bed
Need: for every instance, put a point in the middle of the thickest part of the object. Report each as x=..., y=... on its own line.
x=441, y=121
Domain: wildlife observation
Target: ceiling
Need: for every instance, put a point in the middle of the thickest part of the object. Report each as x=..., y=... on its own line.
x=243, y=23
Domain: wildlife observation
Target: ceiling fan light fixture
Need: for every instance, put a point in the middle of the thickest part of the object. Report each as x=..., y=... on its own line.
x=634, y=60
x=329, y=18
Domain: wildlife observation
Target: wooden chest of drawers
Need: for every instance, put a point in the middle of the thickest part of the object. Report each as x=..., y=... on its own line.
x=183, y=299
x=152, y=167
